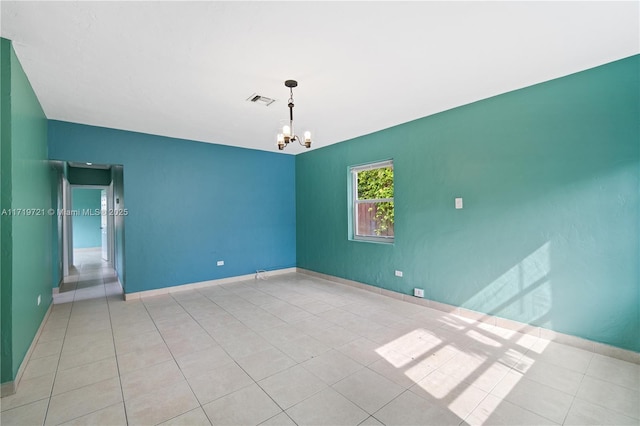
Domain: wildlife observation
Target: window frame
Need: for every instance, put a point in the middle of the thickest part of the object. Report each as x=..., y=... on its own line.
x=354, y=201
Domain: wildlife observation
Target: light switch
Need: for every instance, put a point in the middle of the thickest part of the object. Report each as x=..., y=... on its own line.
x=458, y=203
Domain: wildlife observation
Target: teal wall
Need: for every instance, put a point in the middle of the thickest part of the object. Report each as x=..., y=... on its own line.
x=28, y=238
x=549, y=233
x=190, y=204
x=87, y=231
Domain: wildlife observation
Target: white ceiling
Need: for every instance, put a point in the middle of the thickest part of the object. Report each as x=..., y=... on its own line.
x=185, y=69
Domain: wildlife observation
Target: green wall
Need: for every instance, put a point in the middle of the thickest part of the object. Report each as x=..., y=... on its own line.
x=87, y=231
x=5, y=204
x=26, y=240
x=549, y=230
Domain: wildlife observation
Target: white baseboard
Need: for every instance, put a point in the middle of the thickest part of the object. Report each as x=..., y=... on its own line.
x=520, y=327
x=9, y=388
x=201, y=284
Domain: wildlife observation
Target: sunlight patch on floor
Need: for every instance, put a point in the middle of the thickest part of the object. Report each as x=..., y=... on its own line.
x=479, y=358
x=413, y=344
x=483, y=338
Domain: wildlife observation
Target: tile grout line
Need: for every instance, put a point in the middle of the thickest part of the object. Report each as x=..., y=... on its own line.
x=173, y=357
x=113, y=340
x=63, y=344
x=575, y=396
x=70, y=313
x=176, y=361
x=228, y=354
x=46, y=413
x=234, y=360
x=606, y=381
x=276, y=415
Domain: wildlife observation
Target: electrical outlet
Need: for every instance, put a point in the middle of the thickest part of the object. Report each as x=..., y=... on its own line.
x=39, y=300
x=220, y=263
x=418, y=292
x=399, y=274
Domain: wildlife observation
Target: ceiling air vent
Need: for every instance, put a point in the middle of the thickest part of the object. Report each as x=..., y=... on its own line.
x=259, y=99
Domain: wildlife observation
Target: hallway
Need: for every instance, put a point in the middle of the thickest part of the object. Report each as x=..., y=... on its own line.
x=90, y=277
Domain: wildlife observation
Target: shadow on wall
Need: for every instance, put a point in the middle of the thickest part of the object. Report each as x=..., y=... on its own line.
x=524, y=291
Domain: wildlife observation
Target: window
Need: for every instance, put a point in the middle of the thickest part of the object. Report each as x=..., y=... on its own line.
x=372, y=202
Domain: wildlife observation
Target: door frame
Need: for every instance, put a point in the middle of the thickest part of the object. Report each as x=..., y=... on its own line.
x=67, y=234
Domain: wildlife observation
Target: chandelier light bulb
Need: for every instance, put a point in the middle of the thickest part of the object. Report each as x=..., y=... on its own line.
x=286, y=130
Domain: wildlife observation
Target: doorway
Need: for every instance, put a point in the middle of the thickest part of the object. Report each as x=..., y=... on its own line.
x=90, y=226
x=92, y=255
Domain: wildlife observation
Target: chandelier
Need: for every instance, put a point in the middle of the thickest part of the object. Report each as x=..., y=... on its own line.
x=288, y=134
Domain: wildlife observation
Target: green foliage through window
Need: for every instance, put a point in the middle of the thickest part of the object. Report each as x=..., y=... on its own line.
x=374, y=217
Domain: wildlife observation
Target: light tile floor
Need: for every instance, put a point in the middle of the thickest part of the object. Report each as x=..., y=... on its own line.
x=90, y=277
x=295, y=349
